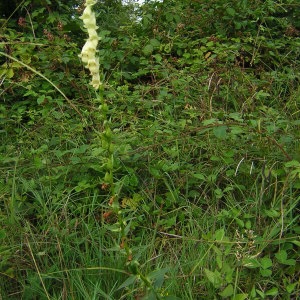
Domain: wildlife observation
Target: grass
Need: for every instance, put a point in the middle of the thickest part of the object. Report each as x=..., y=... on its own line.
x=200, y=215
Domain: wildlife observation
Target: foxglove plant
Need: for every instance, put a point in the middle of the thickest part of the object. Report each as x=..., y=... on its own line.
x=88, y=52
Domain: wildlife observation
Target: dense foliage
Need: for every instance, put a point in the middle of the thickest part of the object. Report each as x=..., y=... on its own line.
x=180, y=179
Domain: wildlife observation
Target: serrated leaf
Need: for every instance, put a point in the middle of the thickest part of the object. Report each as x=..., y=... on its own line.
x=281, y=255
x=265, y=273
x=289, y=262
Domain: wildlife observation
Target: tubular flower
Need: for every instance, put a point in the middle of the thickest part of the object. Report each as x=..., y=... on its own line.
x=88, y=52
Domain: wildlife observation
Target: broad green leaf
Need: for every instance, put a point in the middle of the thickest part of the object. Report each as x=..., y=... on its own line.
x=265, y=272
x=148, y=49
x=227, y=292
x=292, y=164
x=281, y=256
x=240, y=297
x=290, y=287
x=266, y=262
x=210, y=121
x=289, y=262
x=230, y=11
x=155, y=43
x=251, y=263
x=155, y=172
x=214, y=277
x=41, y=99
x=220, y=131
x=158, y=57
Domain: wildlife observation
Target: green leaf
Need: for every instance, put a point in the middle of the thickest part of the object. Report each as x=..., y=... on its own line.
x=219, y=235
x=272, y=213
x=289, y=262
x=158, y=57
x=272, y=292
x=41, y=99
x=210, y=121
x=240, y=222
x=240, y=297
x=129, y=281
x=218, y=193
x=281, y=256
x=230, y=11
x=296, y=243
x=251, y=263
x=155, y=172
x=10, y=73
x=290, y=287
x=220, y=132
x=214, y=277
x=155, y=43
x=2, y=234
x=199, y=176
x=227, y=292
x=148, y=49
x=293, y=164
x=266, y=262
x=265, y=272
x=158, y=276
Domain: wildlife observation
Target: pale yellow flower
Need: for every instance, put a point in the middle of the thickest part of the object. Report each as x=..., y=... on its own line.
x=96, y=81
x=88, y=52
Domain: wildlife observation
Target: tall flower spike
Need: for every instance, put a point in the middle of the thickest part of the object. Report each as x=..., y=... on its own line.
x=88, y=52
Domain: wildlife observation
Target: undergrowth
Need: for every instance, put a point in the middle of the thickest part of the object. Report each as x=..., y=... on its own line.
x=180, y=181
